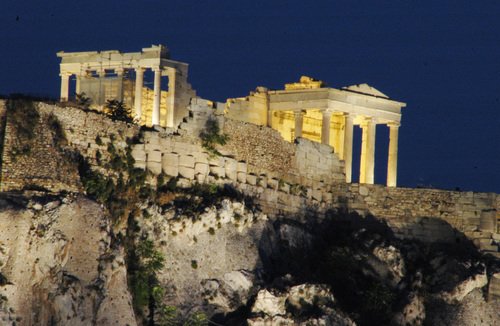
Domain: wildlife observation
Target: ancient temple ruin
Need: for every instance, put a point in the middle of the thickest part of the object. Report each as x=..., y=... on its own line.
x=305, y=109
x=113, y=75
x=310, y=110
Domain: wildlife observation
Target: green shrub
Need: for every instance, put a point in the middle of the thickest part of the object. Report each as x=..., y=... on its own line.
x=194, y=264
x=211, y=136
x=23, y=115
x=82, y=100
x=147, y=262
x=58, y=134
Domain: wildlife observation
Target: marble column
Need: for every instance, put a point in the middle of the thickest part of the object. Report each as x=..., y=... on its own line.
x=156, y=97
x=139, y=81
x=392, y=161
x=64, y=86
x=119, y=84
x=101, y=97
x=78, y=85
x=325, y=126
x=348, y=137
x=172, y=74
x=299, y=123
x=337, y=134
x=367, y=164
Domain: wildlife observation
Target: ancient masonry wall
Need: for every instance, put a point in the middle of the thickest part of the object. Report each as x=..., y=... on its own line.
x=55, y=169
x=91, y=133
x=311, y=165
x=431, y=214
x=424, y=214
x=35, y=163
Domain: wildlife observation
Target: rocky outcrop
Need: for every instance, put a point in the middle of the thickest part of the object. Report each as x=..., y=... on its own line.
x=59, y=265
x=305, y=304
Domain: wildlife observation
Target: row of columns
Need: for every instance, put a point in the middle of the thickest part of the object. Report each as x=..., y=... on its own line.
x=139, y=81
x=367, y=161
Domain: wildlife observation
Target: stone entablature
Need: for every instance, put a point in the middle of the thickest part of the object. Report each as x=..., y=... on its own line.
x=327, y=115
x=115, y=75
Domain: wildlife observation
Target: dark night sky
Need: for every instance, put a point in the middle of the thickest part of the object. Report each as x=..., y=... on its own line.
x=440, y=57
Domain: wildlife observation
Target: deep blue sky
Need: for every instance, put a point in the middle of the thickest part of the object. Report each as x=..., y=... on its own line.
x=440, y=57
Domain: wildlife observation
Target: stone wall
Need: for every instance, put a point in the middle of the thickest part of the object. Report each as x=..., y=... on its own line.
x=38, y=162
x=258, y=145
x=52, y=166
x=294, y=178
x=424, y=214
x=431, y=214
x=308, y=165
x=90, y=133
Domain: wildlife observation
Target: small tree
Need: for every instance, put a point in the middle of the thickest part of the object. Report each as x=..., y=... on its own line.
x=82, y=100
x=211, y=137
x=118, y=111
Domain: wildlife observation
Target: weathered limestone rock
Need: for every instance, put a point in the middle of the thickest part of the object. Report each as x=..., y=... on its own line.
x=231, y=169
x=55, y=267
x=464, y=288
x=494, y=287
x=186, y=161
x=269, y=304
x=306, y=295
x=413, y=313
x=218, y=171
x=186, y=172
x=201, y=168
x=154, y=167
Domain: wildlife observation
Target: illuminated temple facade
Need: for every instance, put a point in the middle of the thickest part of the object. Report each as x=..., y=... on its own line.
x=310, y=110
x=113, y=75
x=305, y=109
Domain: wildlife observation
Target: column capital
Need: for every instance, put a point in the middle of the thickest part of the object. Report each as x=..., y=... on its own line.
x=157, y=69
x=327, y=112
x=366, y=121
x=139, y=68
x=393, y=124
x=65, y=74
x=299, y=113
x=119, y=71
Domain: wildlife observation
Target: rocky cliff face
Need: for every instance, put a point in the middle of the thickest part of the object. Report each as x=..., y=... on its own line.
x=58, y=264
x=61, y=263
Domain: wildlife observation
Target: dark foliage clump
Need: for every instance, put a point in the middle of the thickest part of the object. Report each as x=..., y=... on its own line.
x=211, y=137
x=22, y=114
x=117, y=111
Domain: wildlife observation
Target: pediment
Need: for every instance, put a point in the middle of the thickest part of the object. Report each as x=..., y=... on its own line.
x=365, y=89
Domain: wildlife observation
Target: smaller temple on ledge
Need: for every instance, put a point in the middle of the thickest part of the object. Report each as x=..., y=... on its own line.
x=311, y=110
x=113, y=75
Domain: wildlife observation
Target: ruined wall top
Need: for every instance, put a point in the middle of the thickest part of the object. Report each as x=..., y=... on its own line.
x=305, y=83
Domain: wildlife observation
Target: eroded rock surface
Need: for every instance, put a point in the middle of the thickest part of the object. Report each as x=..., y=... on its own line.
x=59, y=265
